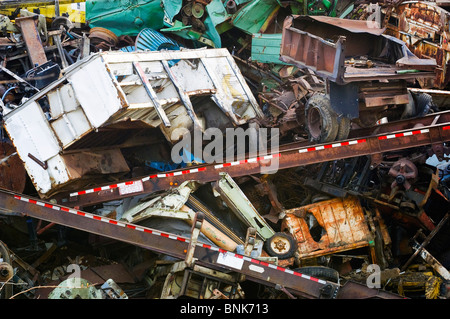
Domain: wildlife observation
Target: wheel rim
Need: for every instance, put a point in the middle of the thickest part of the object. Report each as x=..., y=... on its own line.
x=314, y=122
x=280, y=245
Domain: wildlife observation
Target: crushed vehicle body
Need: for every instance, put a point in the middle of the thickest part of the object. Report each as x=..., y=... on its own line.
x=112, y=92
x=328, y=227
x=199, y=21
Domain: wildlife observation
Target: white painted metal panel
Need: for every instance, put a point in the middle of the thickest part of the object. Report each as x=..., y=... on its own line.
x=62, y=100
x=31, y=133
x=96, y=92
x=104, y=89
x=70, y=127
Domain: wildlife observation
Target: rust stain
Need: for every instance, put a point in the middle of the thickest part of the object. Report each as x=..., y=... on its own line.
x=424, y=28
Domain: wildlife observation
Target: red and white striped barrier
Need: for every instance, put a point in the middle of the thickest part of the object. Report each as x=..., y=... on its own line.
x=225, y=253
x=138, y=183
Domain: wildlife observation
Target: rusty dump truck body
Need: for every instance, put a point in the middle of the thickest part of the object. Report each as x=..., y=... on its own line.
x=363, y=67
x=327, y=45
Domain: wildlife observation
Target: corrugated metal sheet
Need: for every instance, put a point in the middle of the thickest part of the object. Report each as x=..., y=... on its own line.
x=266, y=48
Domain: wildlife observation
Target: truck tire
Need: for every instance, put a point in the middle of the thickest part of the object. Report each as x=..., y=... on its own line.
x=320, y=272
x=424, y=104
x=343, y=129
x=281, y=245
x=321, y=121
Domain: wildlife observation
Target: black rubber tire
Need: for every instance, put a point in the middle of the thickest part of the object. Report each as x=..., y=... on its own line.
x=321, y=121
x=424, y=104
x=343, y=129
x=288, y=239
x=320, y=272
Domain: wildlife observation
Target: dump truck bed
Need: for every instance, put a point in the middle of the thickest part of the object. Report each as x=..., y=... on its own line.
x=331, y=47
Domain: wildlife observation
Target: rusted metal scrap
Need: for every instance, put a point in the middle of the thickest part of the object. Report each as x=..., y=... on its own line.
x=328, y=227
x=423, y=28
x=70, y=113
x=362, y=66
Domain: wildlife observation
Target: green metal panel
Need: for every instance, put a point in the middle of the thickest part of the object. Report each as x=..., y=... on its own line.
x=266, y=48
x=236, y=200
x=253, y=15
x=217, y=12
x=125, y=17
x=215, y=15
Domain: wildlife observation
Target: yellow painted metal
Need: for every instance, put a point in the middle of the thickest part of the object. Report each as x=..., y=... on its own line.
x=75, y=14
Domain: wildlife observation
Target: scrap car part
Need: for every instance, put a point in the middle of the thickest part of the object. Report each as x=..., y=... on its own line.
x=405, y=172
x=35, y=49
x=172, y=206
x=426, y=240
x=133, y=17
x=79, y=288
x=323, y=44
x=421, y=25
x=327, y=227
x=6, y=272
x=23, y=3
x=432, y=261
x=280, y=245
x=198, y=282
x=239, y=203
x=75, y=112
x=12, y=171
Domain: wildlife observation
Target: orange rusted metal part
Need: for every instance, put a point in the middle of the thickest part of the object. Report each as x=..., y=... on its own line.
x=340, y=226
x=13, y=175
x=424, y=29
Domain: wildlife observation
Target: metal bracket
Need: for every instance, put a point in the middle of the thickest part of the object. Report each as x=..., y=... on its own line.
x=328, y=292
x=151, y=93
x=419, y=248
x=250, y=241
x=279, y=287
x=195, y=231
x=44, y=165
x=56, y=35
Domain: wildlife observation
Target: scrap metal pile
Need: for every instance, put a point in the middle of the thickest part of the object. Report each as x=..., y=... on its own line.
x=106, y=191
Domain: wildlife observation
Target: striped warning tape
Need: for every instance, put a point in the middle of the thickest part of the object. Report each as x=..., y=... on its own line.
x=137, y=182
x=334, y=145
x=166, y=235
x=96, y=217
x=190, y=171
x=359, y=141
x=164, y=175
x=97, y=189
x=250, y=160
x=416, y=132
